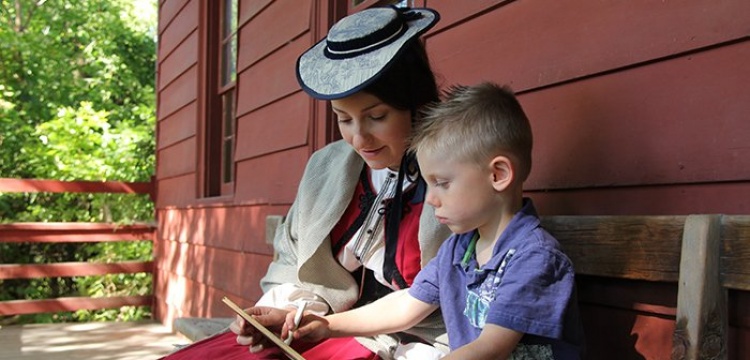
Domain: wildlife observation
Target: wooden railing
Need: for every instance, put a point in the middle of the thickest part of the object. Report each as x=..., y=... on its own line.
x=60, y=232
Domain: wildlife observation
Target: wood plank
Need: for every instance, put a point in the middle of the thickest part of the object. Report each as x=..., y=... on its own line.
x=716, y=198
x=173, y=160
x=288, y=19
x=185, y=56
x=179, y=93
x=701, y=326
x=76, y=227
x=177, y=191
x=58, y=186
x=532, y=44
x=68, y=269
x=652, y=297
x=257, y=136
x=288, y=351
x=184, y=23
x=452, y=12
x=238, y=228
x=630, y=247
x=665, y=123
x=74, y=232
x=221, y=269
x=735, y=258
x=168, y=10
x=128, y=340
x=250, y=8
x=20, y=307
x=281, y=171
x=275, y=72
x=73, y=238
x=615, y=334
x=177, y=127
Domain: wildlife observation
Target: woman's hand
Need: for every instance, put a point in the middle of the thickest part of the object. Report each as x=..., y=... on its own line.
x=312, y=328
x=270, y=317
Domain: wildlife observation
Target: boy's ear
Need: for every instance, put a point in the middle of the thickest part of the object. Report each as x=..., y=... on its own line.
x=502, y=172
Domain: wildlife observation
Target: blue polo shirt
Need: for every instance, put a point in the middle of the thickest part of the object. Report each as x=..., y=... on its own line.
x=528, y=286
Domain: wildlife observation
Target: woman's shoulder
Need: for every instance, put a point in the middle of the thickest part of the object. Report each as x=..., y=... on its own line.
x=337, y=150
x=336, y=160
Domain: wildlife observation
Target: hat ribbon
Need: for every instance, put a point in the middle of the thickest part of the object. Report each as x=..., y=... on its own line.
x=375, y=40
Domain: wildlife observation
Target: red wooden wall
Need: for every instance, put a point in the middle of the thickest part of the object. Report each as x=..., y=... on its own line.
x=637, y=107
x=211, y=247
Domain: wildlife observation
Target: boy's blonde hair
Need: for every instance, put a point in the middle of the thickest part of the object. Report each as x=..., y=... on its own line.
x=475, y=124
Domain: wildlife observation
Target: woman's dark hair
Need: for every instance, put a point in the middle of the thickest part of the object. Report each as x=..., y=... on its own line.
x=409, y=83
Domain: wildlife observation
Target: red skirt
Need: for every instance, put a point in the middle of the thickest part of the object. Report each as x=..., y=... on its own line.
x=224, y=346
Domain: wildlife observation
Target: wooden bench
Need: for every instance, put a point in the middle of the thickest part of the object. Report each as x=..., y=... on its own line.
x=704, y=255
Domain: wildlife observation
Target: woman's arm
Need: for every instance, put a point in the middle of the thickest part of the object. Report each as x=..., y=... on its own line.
x=394, y=312
x=495, y=342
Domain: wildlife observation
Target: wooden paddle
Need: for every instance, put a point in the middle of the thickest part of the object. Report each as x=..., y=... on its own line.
x=291, y=353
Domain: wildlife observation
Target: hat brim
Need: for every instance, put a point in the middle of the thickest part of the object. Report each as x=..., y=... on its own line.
x=328, y=79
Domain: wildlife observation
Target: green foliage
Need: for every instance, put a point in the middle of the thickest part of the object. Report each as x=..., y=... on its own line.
x=77, y=103
x=59, y=54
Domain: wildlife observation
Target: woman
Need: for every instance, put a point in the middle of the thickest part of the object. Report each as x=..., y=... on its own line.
x=358, y=228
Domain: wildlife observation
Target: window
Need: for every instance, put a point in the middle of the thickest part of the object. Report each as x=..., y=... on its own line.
x=221, y=76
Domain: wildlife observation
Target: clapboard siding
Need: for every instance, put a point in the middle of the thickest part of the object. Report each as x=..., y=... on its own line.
x=271, y=29
x=177, y=127
x=238, y=228
x=250, y=8
x=274, y=177
x=168, y=11
x=259, y=129
x=176, y=191
x=179, y=93
x=271, y=78
x=663, y=123
x=223, y=268
x=179, y=61
x=531, y=44
x=457, y=12
x=716, y=198
x=173, y=161
x=184, y=23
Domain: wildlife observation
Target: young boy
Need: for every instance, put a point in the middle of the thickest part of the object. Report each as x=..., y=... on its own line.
x=503, y=284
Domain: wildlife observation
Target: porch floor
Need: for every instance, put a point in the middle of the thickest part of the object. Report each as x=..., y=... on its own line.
x=94, y=341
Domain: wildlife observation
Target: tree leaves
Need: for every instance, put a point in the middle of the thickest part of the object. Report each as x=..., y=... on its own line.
x=69, y=53
x=77, y=102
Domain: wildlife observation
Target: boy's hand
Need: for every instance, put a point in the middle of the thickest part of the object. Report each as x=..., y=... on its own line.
x=312, y=328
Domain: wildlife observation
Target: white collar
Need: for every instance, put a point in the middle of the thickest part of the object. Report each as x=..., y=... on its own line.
x=378, y=177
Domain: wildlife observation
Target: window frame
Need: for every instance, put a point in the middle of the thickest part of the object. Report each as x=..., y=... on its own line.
x=220, y=101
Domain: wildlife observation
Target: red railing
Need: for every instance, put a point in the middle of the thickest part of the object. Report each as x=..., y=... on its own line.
x=72, y=233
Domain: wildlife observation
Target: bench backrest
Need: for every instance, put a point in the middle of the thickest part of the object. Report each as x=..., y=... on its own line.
x=704, y=254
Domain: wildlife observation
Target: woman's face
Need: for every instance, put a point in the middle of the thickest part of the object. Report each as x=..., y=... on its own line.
x=377, y=131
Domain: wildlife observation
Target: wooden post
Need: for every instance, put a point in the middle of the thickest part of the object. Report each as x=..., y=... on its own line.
x=273, y=222
x=702, y=325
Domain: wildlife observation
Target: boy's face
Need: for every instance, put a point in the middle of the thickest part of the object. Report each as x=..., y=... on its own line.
x=461, y=192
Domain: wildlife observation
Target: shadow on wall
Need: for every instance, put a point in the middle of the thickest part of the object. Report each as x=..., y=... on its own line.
x=627, y=319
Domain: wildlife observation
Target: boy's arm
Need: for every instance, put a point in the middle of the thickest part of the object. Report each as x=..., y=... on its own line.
x=495, y=342
x=394, y=312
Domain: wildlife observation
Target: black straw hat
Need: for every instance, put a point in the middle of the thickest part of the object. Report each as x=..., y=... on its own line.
x=359, y=48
